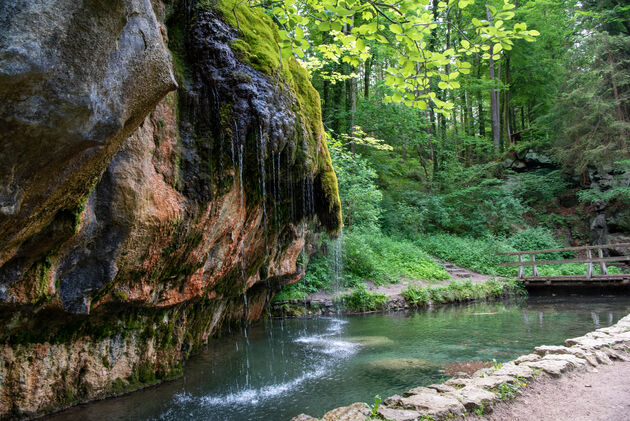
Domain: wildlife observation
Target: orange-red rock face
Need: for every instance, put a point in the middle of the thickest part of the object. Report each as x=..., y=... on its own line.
x=200, y=214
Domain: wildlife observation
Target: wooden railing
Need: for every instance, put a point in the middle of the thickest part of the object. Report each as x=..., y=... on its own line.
x=589, y=259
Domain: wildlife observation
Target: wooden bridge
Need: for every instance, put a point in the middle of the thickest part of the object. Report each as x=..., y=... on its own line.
x=586, y=256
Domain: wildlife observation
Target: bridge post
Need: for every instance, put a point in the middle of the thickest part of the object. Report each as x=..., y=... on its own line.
x=520, y=268
x=534, y=267
x=603, y=264
x=589, y=270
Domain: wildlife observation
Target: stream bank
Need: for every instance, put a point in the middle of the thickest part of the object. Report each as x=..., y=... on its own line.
x=400, y=296
x=477, y=394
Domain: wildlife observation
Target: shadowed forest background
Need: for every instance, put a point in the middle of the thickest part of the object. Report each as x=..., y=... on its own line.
x=533, y=154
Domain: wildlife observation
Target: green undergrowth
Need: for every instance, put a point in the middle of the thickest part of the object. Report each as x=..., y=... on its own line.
x=481, y=254
x=458, y=291
x=366, y=256
x=362, y=300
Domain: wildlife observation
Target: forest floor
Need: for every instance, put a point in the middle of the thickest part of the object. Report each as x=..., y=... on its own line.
x=598, y=395
x=395, y=289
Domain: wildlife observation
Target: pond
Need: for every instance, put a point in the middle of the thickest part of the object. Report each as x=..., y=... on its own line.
x=280, y=368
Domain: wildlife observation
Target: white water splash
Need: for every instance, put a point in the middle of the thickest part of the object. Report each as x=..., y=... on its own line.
x=324, y=344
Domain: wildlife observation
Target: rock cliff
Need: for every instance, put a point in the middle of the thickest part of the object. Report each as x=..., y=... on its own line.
x=135, y=222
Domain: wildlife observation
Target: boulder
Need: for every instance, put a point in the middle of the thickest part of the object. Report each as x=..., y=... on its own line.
x=513, y=370
x=358, y=411
x=489, y=382
x=428, y=403
x=473, y=397
x=552, y=367
x=304, y=417
x=392, y=414
x=527, y=358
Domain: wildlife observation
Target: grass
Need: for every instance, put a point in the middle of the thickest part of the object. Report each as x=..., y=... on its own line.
x=480, y=254
x=362, y=300
x=382, y=258
x=366, y=257
x=458, y=291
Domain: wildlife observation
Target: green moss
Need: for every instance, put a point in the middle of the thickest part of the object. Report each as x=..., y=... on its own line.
x=259, y=47
x=121, y=295
x=177, y=46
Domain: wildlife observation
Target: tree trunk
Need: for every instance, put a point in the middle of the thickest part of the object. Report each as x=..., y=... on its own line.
x=506, y=102
x=494, y=98
x=482, y=118
x=366, y=80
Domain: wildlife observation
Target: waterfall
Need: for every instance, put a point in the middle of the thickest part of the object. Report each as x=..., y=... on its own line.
x=244, y=211
x=262, y=146
x=337, y=263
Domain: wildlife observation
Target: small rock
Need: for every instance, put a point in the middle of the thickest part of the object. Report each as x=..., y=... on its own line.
x=482, y=382
x=578, y=363
x=418, y=390
x=356, y=412
x=510, y=369
x=527, y=358
x=304, y=417
x=442, y=388
x=391, y=414
x=552, y=367
x=428, y=403
x=614, y=354
x=602, y=358
x=473, y=397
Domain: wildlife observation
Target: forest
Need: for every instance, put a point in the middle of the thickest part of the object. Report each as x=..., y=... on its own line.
x=464, y=130
x=201, y=200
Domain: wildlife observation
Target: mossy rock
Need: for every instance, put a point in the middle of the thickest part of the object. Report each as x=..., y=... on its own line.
x=259, y=46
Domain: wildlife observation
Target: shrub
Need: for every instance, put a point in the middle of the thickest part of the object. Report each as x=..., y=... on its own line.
x=360, y=299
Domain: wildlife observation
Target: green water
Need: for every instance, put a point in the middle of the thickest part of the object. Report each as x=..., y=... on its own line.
x=281, y=368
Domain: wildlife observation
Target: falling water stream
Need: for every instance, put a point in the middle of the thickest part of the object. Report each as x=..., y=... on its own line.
x=277, y=369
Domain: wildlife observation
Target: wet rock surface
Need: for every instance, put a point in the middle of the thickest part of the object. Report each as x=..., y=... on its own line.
x=488, y=386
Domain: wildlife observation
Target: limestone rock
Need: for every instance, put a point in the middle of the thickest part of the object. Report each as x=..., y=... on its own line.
x=615, y=354
x=473, y=397
x=428, y=403
x=442, y=388
x=419, y=390
x=482, y=382
x=356, y=412
x=576, y=362
x=554, y=368
x=560, y=350
x=304, y=417
x=586, y=343
x=602, y=357
x=527, y=358
x=513, y=370
x=391, y=414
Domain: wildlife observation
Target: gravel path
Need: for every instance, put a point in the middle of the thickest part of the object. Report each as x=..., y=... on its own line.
x=601, y=395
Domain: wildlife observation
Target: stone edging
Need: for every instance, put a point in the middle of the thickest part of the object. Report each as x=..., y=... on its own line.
x=486, y=387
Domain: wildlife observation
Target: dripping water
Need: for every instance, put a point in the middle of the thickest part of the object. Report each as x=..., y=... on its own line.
x=243, y=211
x=337, y=263
x=275, y=191
x=261, y=161
x=303, y=268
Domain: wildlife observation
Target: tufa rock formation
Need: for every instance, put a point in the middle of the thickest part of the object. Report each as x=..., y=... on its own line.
x=135, y=222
